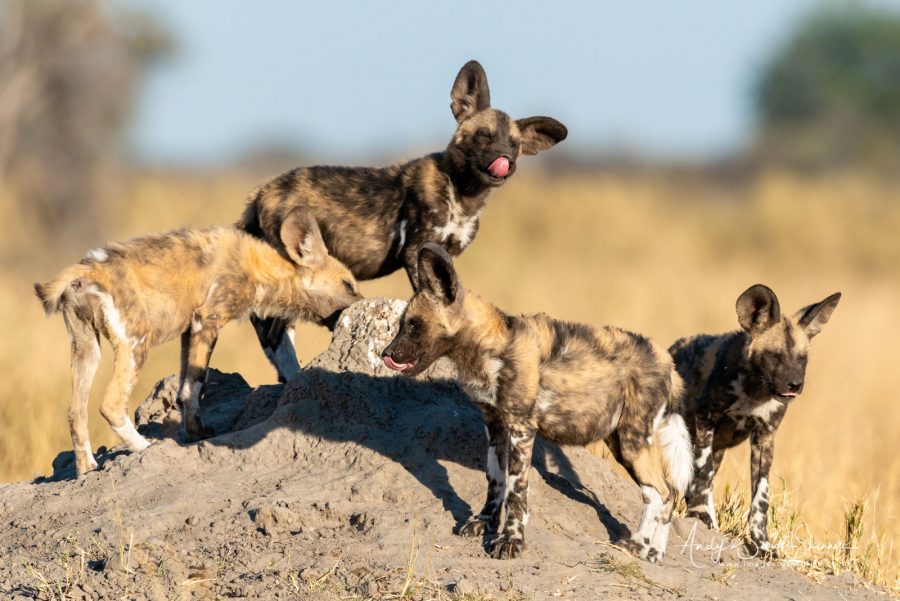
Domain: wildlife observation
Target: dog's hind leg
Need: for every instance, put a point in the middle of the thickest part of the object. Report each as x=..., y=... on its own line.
x=707, y=459
x=633, y=452
x=85, y=360
x=128, y=361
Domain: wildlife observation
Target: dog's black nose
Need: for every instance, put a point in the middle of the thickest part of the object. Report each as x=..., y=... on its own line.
x=795, y=385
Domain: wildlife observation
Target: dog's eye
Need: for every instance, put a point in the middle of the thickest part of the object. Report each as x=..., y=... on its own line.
x=415, y=326
x=482, y=136
x=349, y=287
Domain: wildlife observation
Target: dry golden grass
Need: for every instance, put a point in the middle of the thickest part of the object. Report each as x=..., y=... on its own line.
x=661, y=254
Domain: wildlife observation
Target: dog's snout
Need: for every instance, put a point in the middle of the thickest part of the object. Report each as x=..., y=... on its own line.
x=795, y=385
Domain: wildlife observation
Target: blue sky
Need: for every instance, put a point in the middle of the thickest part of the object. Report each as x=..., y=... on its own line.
x=354, y=80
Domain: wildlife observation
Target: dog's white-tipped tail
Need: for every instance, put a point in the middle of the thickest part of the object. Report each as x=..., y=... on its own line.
x=677, y=451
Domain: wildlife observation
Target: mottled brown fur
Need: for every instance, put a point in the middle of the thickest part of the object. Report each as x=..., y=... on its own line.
x=532, y=374
x=738, y=386
x=375, y=220
x=187, y=283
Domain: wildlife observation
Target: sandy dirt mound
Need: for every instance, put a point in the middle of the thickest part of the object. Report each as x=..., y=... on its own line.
x=347, y=483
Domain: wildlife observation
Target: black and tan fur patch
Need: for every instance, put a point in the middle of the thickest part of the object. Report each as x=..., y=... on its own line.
x=570, y=383
x=739, y=386
x=375, y=220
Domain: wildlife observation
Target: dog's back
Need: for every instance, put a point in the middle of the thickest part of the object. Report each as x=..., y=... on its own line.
x=706, y=362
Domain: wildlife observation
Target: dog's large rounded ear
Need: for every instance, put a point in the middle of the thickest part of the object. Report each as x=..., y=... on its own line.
x=437, y=276
x=758, y=309
x=540, y=133
x=302, y=238
x=813, y=317
x=470, y=92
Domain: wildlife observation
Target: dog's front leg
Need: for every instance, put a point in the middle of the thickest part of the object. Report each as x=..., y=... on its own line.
x=762, y=450
x=197, y=343
x=488, y=519
x=700, y=492
x=511, y=541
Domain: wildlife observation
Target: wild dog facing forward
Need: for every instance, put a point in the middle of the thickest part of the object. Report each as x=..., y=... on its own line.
x=739, y=385
x=190, y=283
x=375, y=220
x=569, y=383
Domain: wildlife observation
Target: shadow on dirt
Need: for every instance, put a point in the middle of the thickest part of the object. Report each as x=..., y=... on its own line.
x=416, y=422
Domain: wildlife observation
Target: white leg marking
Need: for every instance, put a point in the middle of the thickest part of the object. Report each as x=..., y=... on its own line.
x=495, y=472
x=711, y=509
x=649, y=519
x=286, y=356
x=762, y=493
x=130, y=436
x=757, y=515
x=86, y=448
x=660, y=540
x=705, y=452
x=113, y=318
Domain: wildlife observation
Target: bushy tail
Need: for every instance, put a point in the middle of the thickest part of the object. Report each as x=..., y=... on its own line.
x=52, y=294
x=675, y=440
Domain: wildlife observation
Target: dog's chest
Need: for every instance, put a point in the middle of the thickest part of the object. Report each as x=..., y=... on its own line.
x=745, y=411
x=455, y=228
x=482, y=385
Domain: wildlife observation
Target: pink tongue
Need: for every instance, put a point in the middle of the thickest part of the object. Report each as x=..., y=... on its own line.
x=394, y=365
x=500, y=167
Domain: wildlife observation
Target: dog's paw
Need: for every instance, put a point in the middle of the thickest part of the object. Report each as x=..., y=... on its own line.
x=476, y=525
x=506, y=547
x=704, y=517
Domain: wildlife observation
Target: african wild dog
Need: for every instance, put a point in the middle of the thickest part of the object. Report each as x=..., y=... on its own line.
x=569, y=383
x=375, y=220
x=739, y=385
x=188, y=282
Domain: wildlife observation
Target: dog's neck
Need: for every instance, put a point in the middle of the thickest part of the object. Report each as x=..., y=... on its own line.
x=482, y=338
x=277, y=285
x=468, y=188
x=746, y=384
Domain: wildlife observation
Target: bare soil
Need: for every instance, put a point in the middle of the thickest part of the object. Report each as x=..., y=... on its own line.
x=347, y=483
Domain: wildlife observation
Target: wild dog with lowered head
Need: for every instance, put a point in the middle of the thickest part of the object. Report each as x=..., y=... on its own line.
x=739, y=385
x=190, y=283
x=570, y=383
x=375, y=220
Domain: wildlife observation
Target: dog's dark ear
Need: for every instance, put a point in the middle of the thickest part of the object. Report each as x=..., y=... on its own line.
x=302, y=238
x=813, y=317
x=758, y=309
x=437, y=277
x=540, y=133
x=470, y=92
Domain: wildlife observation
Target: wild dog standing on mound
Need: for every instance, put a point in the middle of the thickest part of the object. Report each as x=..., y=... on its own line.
x=739, y=385
x=375, y=220
x=570, y=383
x=190, y=283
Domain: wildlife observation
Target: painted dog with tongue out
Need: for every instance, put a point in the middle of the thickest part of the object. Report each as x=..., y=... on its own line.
x=375, y=220
x=739, y=385
x=568, y=382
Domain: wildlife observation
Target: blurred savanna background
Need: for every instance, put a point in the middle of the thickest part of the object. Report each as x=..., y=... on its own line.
x=711, y=147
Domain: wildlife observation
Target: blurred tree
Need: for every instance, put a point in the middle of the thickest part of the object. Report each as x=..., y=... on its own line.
x=831, y=95
x=69, y=71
